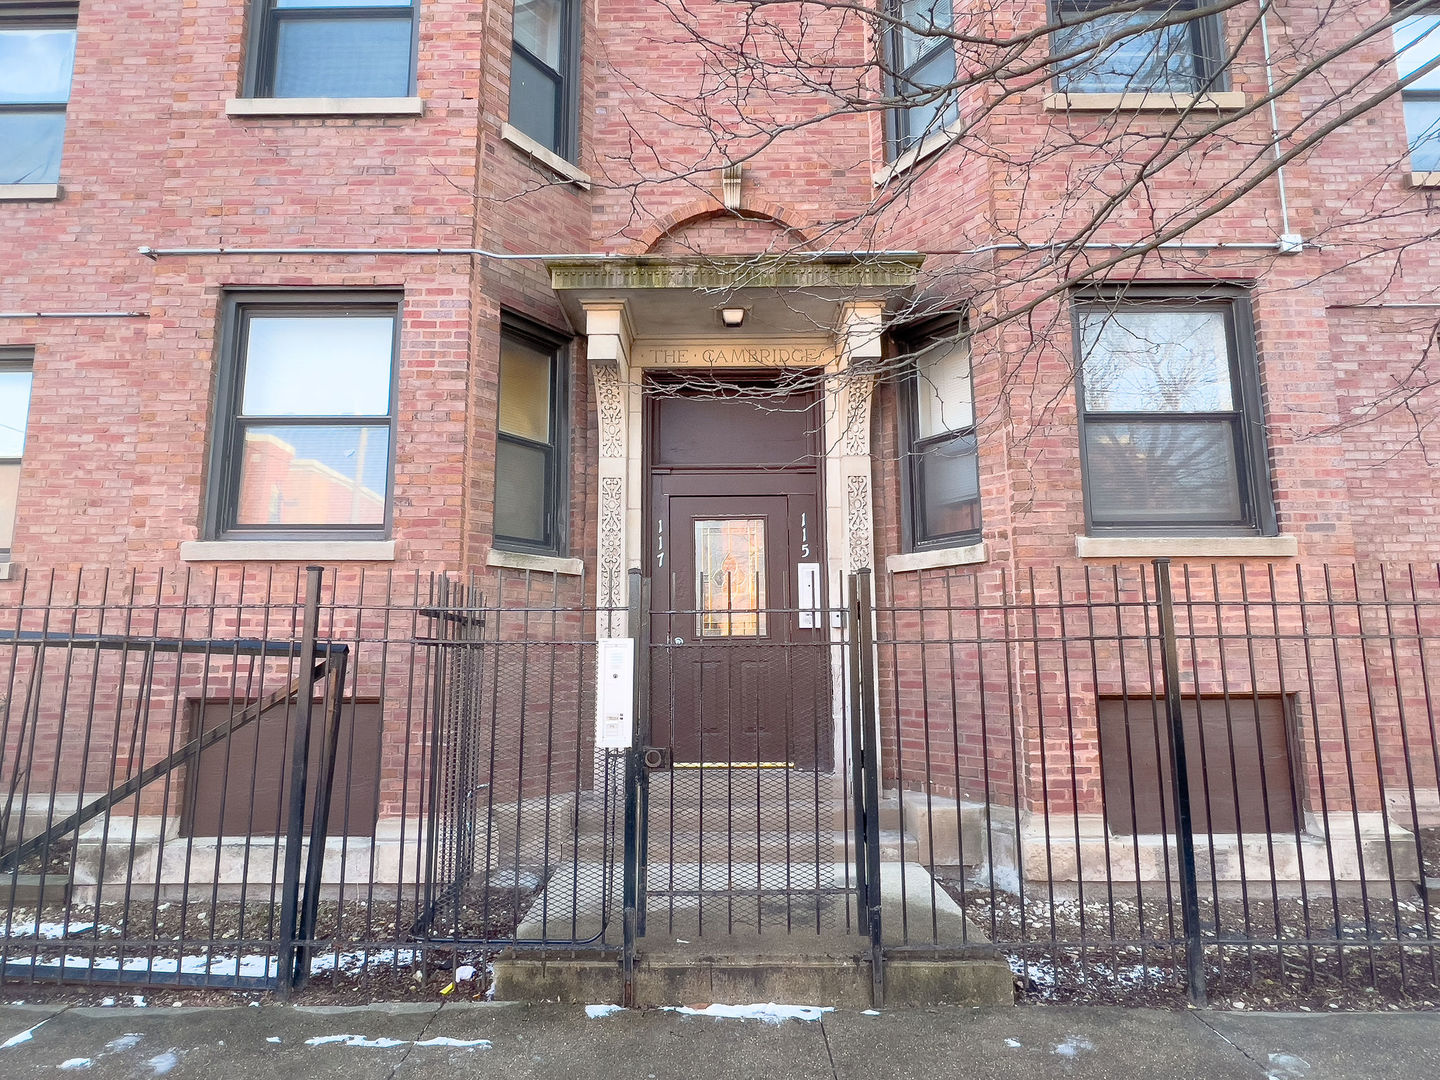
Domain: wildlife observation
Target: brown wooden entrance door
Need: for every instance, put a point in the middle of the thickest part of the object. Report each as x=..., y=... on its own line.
x=740, y=667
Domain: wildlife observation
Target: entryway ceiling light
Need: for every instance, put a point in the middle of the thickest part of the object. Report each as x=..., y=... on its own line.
x=732, y=316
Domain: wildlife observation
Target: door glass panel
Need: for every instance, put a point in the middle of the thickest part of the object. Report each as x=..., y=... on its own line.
x=730, y=577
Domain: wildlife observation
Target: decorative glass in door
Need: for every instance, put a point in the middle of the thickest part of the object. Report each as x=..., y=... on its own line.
x=730, y=577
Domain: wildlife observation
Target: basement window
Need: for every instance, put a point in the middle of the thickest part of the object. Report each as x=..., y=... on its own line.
x=1237, y=760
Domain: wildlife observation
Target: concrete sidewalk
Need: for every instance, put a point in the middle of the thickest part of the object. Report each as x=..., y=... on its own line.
x=563, y=1043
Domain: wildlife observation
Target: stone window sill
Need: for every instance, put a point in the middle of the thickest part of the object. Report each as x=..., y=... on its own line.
x=288, y=551
x=321, y=106
x=929, y=147
x=1425, y=179
x=1187, y=547
x=545, y=156
x=937, y=558
x=29, y=192
x=545, y=564
x=1217, y=101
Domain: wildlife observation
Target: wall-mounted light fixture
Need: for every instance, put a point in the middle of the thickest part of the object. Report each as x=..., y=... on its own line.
x=732, y=316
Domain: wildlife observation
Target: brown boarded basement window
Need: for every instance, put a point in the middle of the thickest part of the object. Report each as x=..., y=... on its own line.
x=241, y=785
x=1253, y=733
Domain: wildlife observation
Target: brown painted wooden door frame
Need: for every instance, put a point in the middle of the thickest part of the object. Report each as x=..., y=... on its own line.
x=744, y=682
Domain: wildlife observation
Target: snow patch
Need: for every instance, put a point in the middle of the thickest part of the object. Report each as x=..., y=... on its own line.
x=272, y=1038
x=382, y=1043
x=163, y=1063
x=76, y=1063
x=1287, y=1067
x=769, y=1012
x=1012, y=1043
x=128, y=1041
x=596, y=1012
x=1073, y=1046
x=50, y=931
x=22, y=1037
x=466, y=1044
x=869, y=1012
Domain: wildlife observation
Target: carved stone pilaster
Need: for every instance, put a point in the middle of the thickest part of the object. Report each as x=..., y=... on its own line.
x=855, y=435
x=859, y=534
x=611, y=544
x=610, y=410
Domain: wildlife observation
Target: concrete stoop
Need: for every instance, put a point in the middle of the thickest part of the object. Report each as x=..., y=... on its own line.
x=838, y=980
x=734, y=957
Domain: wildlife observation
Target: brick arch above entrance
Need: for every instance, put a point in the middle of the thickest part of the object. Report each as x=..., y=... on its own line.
x=702, y=227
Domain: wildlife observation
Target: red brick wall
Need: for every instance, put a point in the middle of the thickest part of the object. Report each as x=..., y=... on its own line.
x=123, y=408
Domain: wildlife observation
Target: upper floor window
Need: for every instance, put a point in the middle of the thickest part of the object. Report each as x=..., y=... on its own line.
x=1165, y=47
x=530, y=444
x=304, y=444
x=543, y=65
x=1172, y=433
x=333, y=48
x=1417, y=43
x=920, y=63
x=943, y=458
x=16, y=375
x=37, y=61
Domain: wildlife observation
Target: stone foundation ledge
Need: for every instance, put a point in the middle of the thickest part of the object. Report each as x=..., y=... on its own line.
x=1365, y=846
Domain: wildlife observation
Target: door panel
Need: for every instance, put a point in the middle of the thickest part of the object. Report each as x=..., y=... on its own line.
x=735, y=677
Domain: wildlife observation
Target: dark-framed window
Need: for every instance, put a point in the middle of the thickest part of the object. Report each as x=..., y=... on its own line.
x=942, y=452
x=544, y=61
x=530, y=476
x=920, y=66
x=1417, y=43
x=332, y=48
x=17, y=375
x=1163, y=47
x=304, y=440
x=1172, y=432
x=37, y=57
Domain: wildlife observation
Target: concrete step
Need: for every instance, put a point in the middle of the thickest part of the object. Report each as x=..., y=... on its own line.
x=840, y=981
x=718, y=846
x=712, y=950
x=832, y=813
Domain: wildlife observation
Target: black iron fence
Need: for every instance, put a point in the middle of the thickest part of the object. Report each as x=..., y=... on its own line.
x=252, y=780
x=1126, y=782
x=1139, y=781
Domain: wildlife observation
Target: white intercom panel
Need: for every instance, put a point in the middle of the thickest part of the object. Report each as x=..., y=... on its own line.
x=615, y=694
x=807, y=594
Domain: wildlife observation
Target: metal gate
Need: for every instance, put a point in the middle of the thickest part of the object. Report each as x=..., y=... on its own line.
x=734, y=842
x=522, y=830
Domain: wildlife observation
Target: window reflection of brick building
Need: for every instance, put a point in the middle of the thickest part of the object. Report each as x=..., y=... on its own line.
x=280, y=487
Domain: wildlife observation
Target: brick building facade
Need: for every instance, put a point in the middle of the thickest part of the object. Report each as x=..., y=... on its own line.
x=570, y=194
